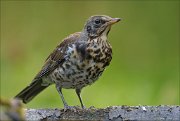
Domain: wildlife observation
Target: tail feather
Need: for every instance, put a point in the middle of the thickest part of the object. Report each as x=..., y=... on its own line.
x=28, y=93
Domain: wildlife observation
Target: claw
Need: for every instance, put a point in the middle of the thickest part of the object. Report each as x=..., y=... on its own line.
x=83, y=107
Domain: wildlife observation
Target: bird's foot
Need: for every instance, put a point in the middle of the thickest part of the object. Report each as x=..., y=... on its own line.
x=83, y=107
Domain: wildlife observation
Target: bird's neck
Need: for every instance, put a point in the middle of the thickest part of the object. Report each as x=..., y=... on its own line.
x=85, y=36
x=105, y=33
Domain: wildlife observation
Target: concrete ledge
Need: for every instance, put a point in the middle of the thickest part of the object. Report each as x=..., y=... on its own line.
x=161, y=112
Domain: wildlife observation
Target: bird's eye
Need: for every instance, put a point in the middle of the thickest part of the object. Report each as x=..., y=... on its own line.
x=97, y=21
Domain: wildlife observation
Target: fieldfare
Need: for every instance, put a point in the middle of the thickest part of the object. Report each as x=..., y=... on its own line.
x=76, y=62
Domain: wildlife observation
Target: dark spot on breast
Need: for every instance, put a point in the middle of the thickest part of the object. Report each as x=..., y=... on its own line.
x=83, y=65
x=88, y=45
x=97, y=71
x=74, y=56
x=67, y=66
x=73, y=80
x=89, y=57
x=57, y=78
x=80, y=83
x=79, y=77
x=97, y=51
x=86, y=76
x=97, y=58
x=94, y=75
x=96, y=67
x=98, y=40
x=86, y=81
x=55, y=74
x=100, y=55
x=100, y=73
x=68, y=76
x=109, y=50
x=106, y=64
x=89, y=69
x=73, y=72
x=103, y=47
x=63, y=68
x=90, y=72
x=78, y=68
x=87, y=61
x=89, y=50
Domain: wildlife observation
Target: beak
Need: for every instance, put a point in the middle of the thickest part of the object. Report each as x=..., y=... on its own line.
x=114, y=20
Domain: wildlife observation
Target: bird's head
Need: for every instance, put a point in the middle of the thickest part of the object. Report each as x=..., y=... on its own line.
x=99, y=24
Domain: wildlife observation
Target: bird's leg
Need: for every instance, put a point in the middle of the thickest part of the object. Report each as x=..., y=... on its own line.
x=78, y=92
x=59, y=89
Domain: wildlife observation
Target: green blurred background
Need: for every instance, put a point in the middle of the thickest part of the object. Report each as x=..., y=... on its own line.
x=145, y=65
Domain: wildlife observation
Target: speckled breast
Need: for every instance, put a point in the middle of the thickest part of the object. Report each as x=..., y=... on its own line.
x=84, y=64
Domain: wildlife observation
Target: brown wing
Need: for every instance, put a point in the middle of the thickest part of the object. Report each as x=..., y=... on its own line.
x=58, y=56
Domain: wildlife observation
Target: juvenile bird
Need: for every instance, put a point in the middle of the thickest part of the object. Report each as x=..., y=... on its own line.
x=76, y=62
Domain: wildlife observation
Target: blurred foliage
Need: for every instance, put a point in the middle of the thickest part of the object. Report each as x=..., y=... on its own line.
x=11, y=110
x=145, y=65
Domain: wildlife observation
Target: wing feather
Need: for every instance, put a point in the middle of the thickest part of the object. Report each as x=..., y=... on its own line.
x=58, y=56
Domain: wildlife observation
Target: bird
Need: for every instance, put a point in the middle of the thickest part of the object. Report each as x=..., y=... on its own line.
x=79, y=60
